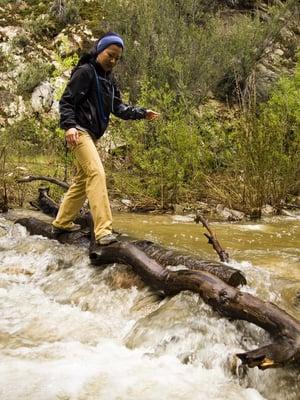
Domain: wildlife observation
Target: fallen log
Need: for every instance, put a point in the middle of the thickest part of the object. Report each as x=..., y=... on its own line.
x=162, y=255
x=223, y=298
x=167, y=257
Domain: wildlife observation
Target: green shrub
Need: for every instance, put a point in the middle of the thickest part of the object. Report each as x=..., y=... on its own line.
x=32, y=75
x=188, y=46
x=21, y=41
x=265, y=164
x=244, y=159
x=4, y=2
x=164, y=155
x=44, y=26
x=52, y=19
x=65, y=11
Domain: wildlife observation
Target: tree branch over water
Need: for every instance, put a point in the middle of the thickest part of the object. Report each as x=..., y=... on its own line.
x=212, y=239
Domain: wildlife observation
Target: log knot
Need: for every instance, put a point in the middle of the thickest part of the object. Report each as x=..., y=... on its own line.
x=224, y=296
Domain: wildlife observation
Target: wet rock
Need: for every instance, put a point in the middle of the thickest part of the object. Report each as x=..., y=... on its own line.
x=178, y=209
x=146, y=300
x=127, y=202
x=297, y=201
x=170, y=323
x=287, y=213
x=268, y=210
x=122, y=277
x=183, y=218
x=228, y=214
x=203, y=208
x=116, y=205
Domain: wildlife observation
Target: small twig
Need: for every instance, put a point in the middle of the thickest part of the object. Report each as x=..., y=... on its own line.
x=212, y=239
x=31, y=178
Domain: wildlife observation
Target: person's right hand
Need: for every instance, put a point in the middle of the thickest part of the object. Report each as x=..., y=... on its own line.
x=72, y=136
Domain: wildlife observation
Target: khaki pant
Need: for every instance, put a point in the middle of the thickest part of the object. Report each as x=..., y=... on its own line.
x=89, y=182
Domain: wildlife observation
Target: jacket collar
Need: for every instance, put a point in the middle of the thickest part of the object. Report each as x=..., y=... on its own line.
x=100, y=70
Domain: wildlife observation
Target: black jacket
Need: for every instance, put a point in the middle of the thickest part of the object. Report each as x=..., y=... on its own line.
x=89, y=98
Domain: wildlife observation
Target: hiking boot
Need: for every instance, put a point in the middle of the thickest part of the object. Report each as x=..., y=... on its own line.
x=97, y=248
x=107, y=239
x=73, y=228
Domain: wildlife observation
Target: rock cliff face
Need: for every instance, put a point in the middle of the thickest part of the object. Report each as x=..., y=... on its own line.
x=279, y=55
x=33, y=72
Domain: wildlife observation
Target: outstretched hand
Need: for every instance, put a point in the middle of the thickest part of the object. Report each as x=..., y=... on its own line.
x=152, y=115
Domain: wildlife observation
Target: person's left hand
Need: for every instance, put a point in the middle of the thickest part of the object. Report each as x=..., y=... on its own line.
x=152, y=115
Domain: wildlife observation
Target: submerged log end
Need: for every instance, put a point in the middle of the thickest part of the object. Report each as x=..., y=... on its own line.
x=236, y=279
x=271, y=356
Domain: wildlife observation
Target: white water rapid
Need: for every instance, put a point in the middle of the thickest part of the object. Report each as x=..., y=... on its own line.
x=69, y=331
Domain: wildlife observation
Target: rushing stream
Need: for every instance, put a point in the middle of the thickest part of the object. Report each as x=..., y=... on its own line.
x=69, y=331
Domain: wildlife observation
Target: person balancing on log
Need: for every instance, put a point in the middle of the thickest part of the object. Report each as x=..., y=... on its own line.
x=90, y=97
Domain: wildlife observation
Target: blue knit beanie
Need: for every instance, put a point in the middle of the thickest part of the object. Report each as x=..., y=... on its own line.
x=107, y=40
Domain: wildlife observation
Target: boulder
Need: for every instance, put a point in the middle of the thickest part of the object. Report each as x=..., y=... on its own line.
x=268, y=210
x=42, y=97
x=228, y=214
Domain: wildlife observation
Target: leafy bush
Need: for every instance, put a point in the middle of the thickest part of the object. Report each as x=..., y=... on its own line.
x=36, y=136
x=20, y=155
x=165, y=155
x=4, y=2
x=44, y=26
x=188, y=46
x=65, y=11
x=244, y=159
x=265, y=166
x=50, y=20
x=32, y=75
x=21, y=41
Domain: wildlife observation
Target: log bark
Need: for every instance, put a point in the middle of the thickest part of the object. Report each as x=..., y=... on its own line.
x=167, y=257
x=228, y=301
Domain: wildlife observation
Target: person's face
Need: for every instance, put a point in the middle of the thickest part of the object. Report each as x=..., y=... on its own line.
x=109, y=57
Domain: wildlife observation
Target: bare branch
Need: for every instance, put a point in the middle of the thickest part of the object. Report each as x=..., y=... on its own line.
x=212, y=239
x=31, y=178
